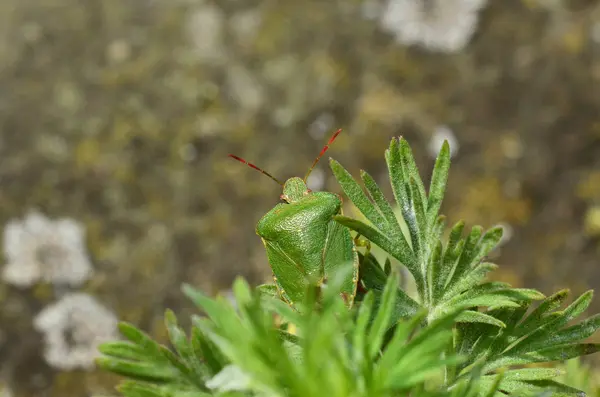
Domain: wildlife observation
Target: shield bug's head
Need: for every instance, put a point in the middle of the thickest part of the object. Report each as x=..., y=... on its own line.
x=294, y=188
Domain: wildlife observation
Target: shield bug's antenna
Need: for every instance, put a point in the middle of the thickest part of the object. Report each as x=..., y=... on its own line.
x=312, y=167
x=241, y=160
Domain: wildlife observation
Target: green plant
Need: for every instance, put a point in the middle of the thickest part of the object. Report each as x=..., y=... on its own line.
x=333, y=353
x=460, y=335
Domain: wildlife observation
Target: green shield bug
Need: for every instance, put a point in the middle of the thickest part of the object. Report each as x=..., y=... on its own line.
x=305, y=246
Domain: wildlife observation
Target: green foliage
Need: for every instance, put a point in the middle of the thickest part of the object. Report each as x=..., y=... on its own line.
x=334, y=351
x=492, y=331
x=459, y=335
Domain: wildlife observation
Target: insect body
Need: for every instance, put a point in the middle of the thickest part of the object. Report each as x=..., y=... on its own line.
x=304, y=244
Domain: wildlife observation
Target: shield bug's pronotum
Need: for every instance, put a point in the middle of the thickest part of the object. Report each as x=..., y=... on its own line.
x=304, y=244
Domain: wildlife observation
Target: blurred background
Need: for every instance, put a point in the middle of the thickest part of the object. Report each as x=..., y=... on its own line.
x=116, y=118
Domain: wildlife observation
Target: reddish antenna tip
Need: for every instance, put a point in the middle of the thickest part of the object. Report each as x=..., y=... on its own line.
x=241, y=160
x=325, y=148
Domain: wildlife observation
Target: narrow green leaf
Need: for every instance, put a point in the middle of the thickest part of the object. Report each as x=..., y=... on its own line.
x=434, y=268
x=381, y=323
x=191, y=366
x=411, y=171
x=519, y=388
x=134, y=389
x=387, y=267
x=554, y=337
x=494, y=384
x=123, y=349
x=398, y=179
x=576, y=308
x=470, y=280
x=438, y=230
x=392, y=227
x=468, y=254
x=451, y=253
x=557, y=389
x=419, y=209
x=555, y=321
x=353, y=190
x=403, y=378
x=178, y=363
x=471, y=316
x=401, y=252
x=359, y=345
x=207, y=351
x=489, y=241
x=375, y=280
x=557, y=353
x=150, y=347
x=539, y=314
x=242, y=292
x=491, y=300
x=395, y=347
x=437, y=187
x=532, y=373
x=137, y=370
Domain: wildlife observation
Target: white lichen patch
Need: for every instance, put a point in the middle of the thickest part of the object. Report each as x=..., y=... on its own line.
x=73, y=329
x=436, y=25
x=40, y=249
